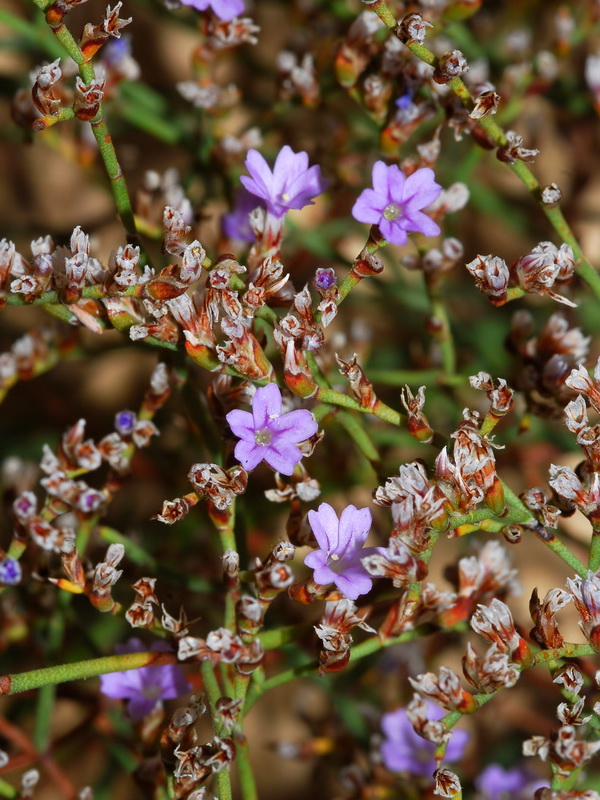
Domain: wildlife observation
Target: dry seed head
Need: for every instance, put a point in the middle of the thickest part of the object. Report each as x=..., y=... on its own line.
x=412, y=28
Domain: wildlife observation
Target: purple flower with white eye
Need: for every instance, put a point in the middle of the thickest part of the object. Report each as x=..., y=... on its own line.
x=338, y=559
x=268, y=435
x=291, y=184
x=10, y=571
x=144, y=688
x=497, y=783
x=403, y=750
x=394, y=203
x=224, y=9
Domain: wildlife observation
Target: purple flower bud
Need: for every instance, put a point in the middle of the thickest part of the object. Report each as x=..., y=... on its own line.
x=125, y=422
x=10, y=571
x=325, y=278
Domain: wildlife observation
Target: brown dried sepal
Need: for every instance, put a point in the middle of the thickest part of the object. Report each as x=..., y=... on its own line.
x=486, y=103
x=543, y=614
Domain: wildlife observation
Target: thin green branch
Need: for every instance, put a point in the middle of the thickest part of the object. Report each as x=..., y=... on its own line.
x=80, y=670
x=99, y=129
x=245, y=771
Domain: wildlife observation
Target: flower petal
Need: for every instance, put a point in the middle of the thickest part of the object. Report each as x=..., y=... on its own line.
x=353, y=583
x=227, y=9
x=421, y=223
x=266, y=405
x=282, y=456
x=288, y=167
x=242, y=424
x=380, y=177
x=139, y=706
x=421, y=189
x=249, y=454
x=396, y=184
x=322, y=574
x=303, y=189
x=324, y=523
x=262, y=177
x=368, y=207
x=354, y=528
x=296, y=426
x=393, y=231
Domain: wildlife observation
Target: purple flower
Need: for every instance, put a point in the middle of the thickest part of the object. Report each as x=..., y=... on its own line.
x=497, y=783
x=394, y=203
x=236, y=224
x=125, y=422
x=340, y=541
x=268, y=435
x=144, y=688
x=224, y=9
x=403, y=750
x=292, y=184
x=325, y=278
x=10, y=571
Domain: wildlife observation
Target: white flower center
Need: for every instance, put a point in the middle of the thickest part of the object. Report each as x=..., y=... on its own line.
x=392, y=212
x=263, y=436
x=334, y=557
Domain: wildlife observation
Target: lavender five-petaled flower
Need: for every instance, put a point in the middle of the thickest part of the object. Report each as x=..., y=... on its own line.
x=292, y=184
x=268, y=435
x=144, y=688
x=338, y=559
x=394, y=203
x=224, y=9
x=403, y=750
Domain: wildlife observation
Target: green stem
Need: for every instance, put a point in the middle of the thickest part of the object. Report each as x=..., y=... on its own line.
x=351, y=425
x=213, y=693
x=100, y=130
x=245, y=772
x=271, y=640
x=402, y=377
x=382, y=411
x=43, y=716
x=80, y=670
x=594, y=557
x=443, y=331
x=553, y=543
x=212, y=689
x=6, y=790
x=224, y=791
x=362, y=650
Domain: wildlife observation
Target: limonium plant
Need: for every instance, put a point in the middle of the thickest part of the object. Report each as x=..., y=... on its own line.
x=300, y=365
